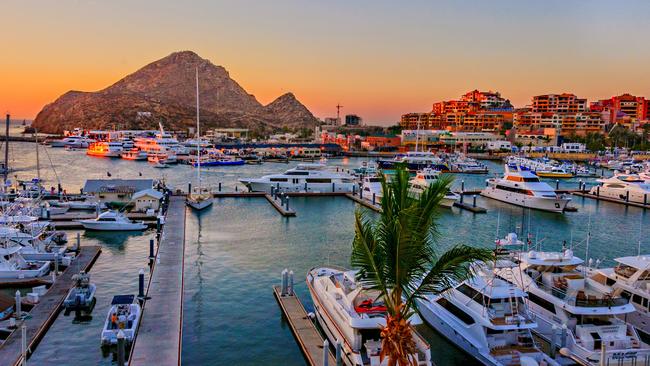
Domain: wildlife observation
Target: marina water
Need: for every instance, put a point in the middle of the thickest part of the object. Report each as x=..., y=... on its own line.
x=236, y=250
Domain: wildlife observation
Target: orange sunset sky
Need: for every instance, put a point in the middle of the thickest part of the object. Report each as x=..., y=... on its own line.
x=379, y=59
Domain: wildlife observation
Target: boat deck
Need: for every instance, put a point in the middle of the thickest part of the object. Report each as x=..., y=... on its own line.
x=158, y=341
x=308, y=338
x=45, y=312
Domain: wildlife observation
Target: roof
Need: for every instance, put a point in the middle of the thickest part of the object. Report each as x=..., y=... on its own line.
x=117, y=185
x=638, y=262
x=122, y=299
x=148, y=192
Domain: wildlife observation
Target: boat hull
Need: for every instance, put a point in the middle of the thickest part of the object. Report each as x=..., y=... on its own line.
x=110, y=226
x=539, y=203
x=199, y=205
x=42, y=270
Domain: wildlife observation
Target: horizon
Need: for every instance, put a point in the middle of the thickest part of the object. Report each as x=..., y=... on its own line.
x=370, y=59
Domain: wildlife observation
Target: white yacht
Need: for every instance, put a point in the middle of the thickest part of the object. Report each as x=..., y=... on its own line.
x=124, y=316
x=303, y=178
x=488, y=318
x=623, y=187
x=112, y=221
x=371, y=185
x=523, y=188
x=77, y=142
x=162, y=157
x=630, y=279
x=14, y=266
x=562, y=297
x=423, y=179
x=415, y=160
x=161, y=142
x=355, y=315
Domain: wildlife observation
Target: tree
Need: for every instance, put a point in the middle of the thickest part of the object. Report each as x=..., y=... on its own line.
x=397, y=255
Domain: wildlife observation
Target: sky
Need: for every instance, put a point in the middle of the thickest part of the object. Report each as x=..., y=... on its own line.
x=379, y=59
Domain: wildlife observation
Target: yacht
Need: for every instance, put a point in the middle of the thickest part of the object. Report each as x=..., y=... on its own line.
x=523, y=188
x=354, y=315
x=108, y=149
x=561, y=296
x=219, y=161
x=162, y=142
x=77, y=142
x=303, y=178
x=162, y=157
x=133, y=154
x=112, y=221
x=124, y=316
x=14, y=266
x=423, y=179
x=467, y=165
x=630, y=279
x=554, y=172
x=366, y=169
x=415, y=160
x=623, y=187
x=488, y=318
x=371, y=185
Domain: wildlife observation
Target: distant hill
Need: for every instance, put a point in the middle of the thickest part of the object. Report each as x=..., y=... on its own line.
x=164, y=91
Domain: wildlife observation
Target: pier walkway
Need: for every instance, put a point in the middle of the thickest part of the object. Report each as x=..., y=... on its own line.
x=159, y=337
x=45, y=312
x=308, y=338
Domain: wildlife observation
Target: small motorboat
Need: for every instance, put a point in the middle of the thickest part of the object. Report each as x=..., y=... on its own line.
x=160, y=165
x=14, y=266
x=82, y=296
x=112, y=221
x=124, y=315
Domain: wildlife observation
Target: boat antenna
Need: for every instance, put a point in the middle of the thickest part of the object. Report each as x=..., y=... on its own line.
x=198, y=133
x=588, y=237
x=38, y=160
x=638, y=251
x=417, y=134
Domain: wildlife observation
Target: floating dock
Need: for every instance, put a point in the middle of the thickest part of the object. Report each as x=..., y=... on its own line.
x=45, y=312
x=284, y=210
x=614, y=200
x=159, y=337
x=364, y=202
x=307, y=336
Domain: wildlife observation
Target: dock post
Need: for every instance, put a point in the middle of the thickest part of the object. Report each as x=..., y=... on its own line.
x=462, y=185
x=53, y=277
x=272, y=191
x=553, y=340
x=120, y=348
x=627, y=196
x=97, y=210
x=56, y=263
x=151, y=253
x=474, y=200
x=141, y=284
x=19, y=309
x=354, y=190
x=285, y=281
x=580, y=185
x=158, y=228
x=277, y=187
x=645, y=199
x=219, y=186
x=557, y=184
x=326, y=350
x=338, y=352
x=597, y=191
x=373, y=199
x=23, y=344
x=78, y=243
x=286, y=202
x=236, y=188
x=461, y=197
x=290, y=284
x=333, y=187
x=305, y=186
x=189, y=187
x=603, y=355
x=563, y=336
x=47, y=213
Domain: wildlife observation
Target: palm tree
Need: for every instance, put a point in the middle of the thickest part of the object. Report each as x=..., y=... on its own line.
x=397, y=256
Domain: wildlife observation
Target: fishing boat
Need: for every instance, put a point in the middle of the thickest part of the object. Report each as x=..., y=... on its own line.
x=134, y=154
x=371, y=187
x=81, y=297
x=423, y=180
x=106, y=149
x=198, y=198
x=303, y=178
x=13, y=265
x=523, y=188
x=562, y=297
x=124, y=316
x=626, y=187
x=354, y=316
x=486, y=317
x=112, y=221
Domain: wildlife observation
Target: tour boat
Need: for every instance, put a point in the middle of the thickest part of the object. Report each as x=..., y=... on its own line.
x=162, y=142
x=554, y=172
x=303, y=178
x=630, y=279
x=486, y=317
x=112, y=221
x=564, y=300
x=133, y=154
x=523, y=188
x=415, y=160
x=162, y=157
x=14, y=266
x=107, y=149
x=423, y=179
x=82, y=296
x=219, y=161
x=355, y=315
x=371, y=186
x=626, y=187
x=124, y=316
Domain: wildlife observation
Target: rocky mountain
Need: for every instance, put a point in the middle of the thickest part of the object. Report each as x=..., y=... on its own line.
x=165, y=91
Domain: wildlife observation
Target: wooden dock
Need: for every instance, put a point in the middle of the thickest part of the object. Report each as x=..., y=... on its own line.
x=470, y=207
x=45, y=312
x=364, y=202
x=614, y=200
x=307, y=336
x=282, y=209
x=159, y=337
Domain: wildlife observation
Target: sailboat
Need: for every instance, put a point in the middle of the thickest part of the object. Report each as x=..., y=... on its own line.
x=198, y=199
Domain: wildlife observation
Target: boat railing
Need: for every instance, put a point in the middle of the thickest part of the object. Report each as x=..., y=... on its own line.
x=581, y=299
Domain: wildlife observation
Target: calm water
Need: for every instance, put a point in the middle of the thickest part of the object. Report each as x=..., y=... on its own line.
x=236, y=250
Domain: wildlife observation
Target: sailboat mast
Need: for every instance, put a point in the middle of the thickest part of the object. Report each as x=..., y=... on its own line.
x=38, y=160
x=198, y=133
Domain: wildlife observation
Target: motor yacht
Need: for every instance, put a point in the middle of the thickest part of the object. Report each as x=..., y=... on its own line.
x=354, y=315
x=562, y=296
x=162, y=142
x=523, y=188
x=162, y=157
x=423, y=180
x=124, y=316
x=112, y=221
x=371, y=186
x=488, y=318
x=630, y=279
x=627, y=187
x=303, y=178
x=415, y=160
x=553, y=172
x=107, y=149
x=467, y=165
x=14, y=266
x=219, y=161
x=77, y=142
x=133, y=154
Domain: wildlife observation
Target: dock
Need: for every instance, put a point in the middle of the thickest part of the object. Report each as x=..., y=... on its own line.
x=307, y=336
x=45, y=312
x=364, y=202
x=613, y=200
x=284, y=210
x=159, y=337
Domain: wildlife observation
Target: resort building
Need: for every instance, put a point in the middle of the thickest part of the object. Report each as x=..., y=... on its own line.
x=381, y=143
x=116, y=191
x=558, y=103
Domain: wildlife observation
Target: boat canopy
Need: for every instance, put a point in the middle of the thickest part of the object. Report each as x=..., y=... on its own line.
x=122, y=299
x=638, y=262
